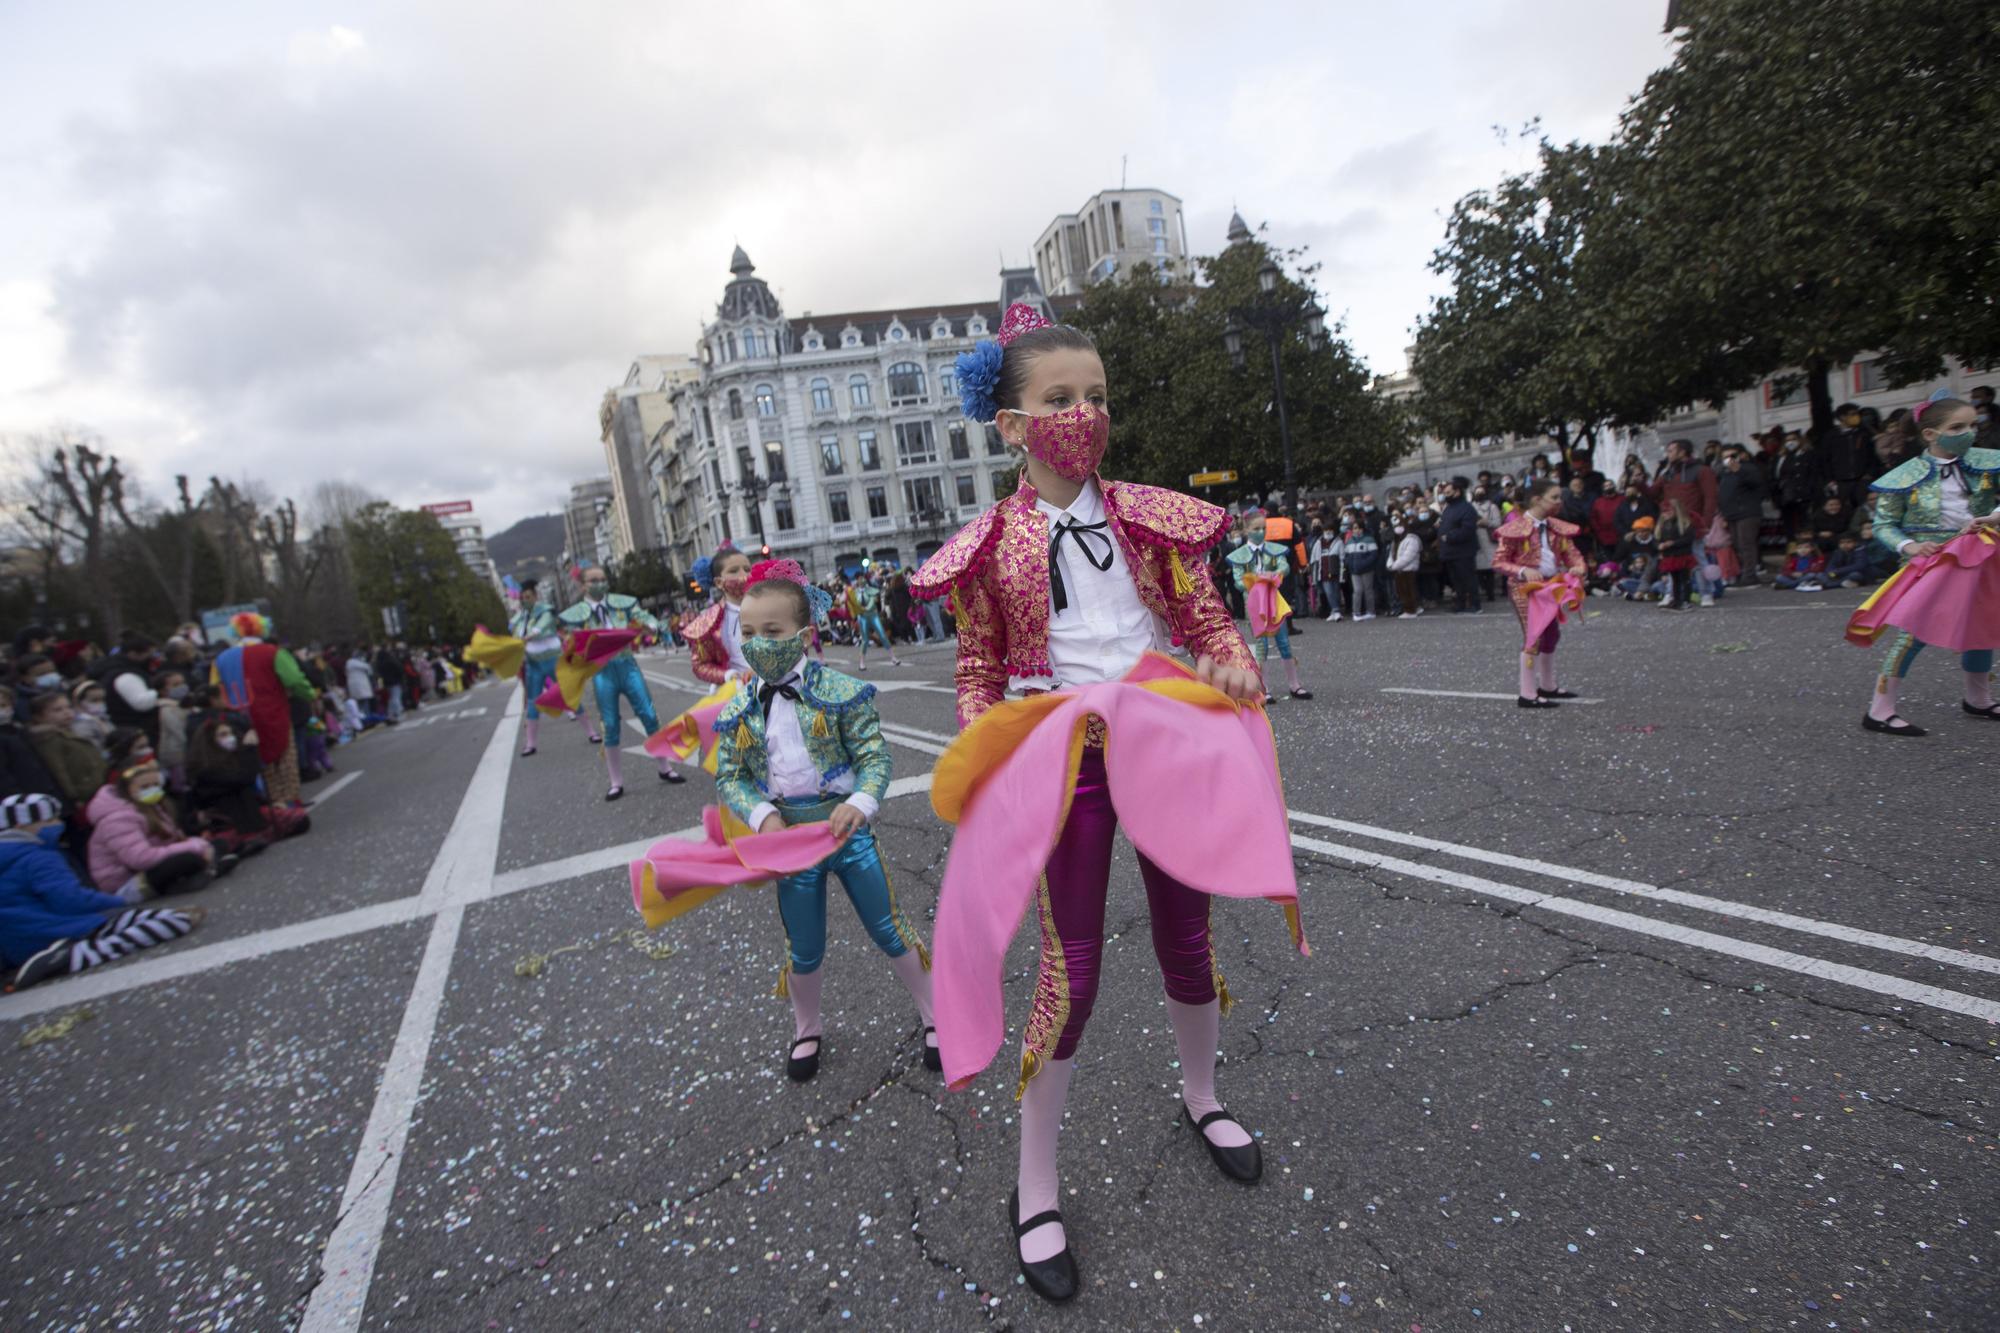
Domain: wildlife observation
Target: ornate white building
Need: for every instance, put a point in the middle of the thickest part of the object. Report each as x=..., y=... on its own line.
x=831, y=439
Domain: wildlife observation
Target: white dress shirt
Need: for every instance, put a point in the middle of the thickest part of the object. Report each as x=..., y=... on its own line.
x=732, y=638
x=1101, y=633
x=1954, y=501
x=1547, y=548
x=789, y=766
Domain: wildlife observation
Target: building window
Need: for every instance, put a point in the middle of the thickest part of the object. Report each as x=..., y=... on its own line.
x=941, y=329
x=836, y=507
x=1155, y=206
x=867, y=452
x=896, y=334
x=858, y=391
x=781, y=509
x=923, y=497
x=968, y=489
x=1156, y=226
x=906, y=383
x=735, y=405
x=746, y=468
x=814, y=342
x=977, y=328
x=767, y=402
x=850, y=338
x=948, y=384
x=822, y=396
x=1785, y=395
x=915, y=443
x=878, y=502
x=995, y=446
x=1159, y=245
x=1118, y=223
x=954, y=435
x=1868, y=377
x=830, y=461
x=728, y=347
x=774, y=460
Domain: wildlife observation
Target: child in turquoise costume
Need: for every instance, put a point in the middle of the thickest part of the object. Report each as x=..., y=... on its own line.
x=864, y=602
x=1920, y=505
x=1257, y=556
x=620, y=677
x=804, y=745
x=535, y=626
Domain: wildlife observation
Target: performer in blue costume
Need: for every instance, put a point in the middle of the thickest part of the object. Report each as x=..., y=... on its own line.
x=620, y=677
x=864, y=603
x=535, y=626
x=805, y=746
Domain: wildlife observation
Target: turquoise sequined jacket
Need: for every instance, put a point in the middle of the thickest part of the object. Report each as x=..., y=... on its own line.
x=538, y=623
x=1270, y=558
x=1909, y=506
x=621, y=612
x=843, y=734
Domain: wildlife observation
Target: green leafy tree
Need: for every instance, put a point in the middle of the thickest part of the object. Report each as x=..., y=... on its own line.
x=644, y=575
x=405, y=558
x=1179, y=406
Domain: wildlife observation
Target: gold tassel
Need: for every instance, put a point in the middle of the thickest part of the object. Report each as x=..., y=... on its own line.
x=1031, y=1065
x=1183, y=581
x=1226, y=1001
x=783, y=990
x=923, y=954
x=742, y=735
x=957, y=607
x=819, y=725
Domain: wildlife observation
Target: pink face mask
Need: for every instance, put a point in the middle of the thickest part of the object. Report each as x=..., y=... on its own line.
x=1070, y=443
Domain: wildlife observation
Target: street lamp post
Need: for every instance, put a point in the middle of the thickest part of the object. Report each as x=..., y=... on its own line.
x=1276, y=315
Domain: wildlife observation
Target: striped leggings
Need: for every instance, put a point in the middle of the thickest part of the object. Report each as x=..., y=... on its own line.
x=127, y=933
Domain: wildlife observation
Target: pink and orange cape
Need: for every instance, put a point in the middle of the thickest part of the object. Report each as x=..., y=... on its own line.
x=1266, y=605
x=1950, y=599
x=1193, y=778
x=693, y=732
x=1551, y=602
x=584, y=654
x=502, y=654
x=677, y=875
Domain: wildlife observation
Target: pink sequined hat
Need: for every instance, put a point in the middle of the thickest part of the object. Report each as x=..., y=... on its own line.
x=1020, y=318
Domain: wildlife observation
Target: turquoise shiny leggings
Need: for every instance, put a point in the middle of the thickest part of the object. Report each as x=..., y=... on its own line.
x=535, y=677
x=620, y=678
x=1906, y=646
x=858, y=862
x=1284, y=641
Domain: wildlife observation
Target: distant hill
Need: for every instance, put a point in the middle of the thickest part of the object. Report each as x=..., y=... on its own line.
x=530, y=548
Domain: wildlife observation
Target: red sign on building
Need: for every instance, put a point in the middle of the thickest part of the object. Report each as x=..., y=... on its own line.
x=449, y=507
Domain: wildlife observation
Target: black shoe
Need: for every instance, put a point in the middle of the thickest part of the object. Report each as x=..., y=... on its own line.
x=1890, y=728
x=52, y=961
x=933, y=1057
x=1991, y=712
x=1302, y=694
x=1055, y=1279
x=226, y=862
x=673, y=775
x=1245, y=1163
x=1522, y=701
x=614, y=793
x=1557, y=693
x=800, y=1068
x=525, y=753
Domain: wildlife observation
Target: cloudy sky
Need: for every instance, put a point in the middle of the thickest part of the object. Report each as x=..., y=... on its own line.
x=409, y=244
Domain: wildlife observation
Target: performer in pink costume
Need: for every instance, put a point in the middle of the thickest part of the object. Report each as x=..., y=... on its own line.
x=1066, y=584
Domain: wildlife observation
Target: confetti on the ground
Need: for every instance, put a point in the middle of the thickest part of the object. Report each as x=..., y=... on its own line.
x=56, y=1028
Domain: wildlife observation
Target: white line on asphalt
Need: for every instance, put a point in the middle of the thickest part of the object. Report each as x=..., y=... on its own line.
x=1957, y=1002
x=1471, y=694
x=909, y=730
x=331, y=789
x=462, y=871
x=896, y=733
x=1833, y=930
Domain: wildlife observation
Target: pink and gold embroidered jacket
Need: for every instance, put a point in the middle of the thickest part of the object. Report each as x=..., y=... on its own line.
x=704, y=636
x=996, y=570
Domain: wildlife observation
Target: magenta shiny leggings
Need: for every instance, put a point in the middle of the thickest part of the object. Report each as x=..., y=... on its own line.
x=1079, y=873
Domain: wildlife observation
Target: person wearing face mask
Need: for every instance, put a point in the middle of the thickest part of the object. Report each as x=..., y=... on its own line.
x=866, y=604
x=89, y=713
x=1793, y=483
x=1261, y=567
x=1937, y=511
x=804, y=746
x=1985, y=420
x=51, y=923
x=223, y=771
x=136, y=850
x=534, y=623
x=36, y=674
x=77, y=764
x=620, y=677
x=129, y=696
x=1846, y=454
x=262, y=680
x=1073, y=583
x=1536, y=546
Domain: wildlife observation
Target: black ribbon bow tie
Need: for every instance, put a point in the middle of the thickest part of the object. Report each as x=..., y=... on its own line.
x=1081, y=536
x=765, y=693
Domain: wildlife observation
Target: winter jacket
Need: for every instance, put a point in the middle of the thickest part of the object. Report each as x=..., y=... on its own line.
x=1693, y=484
x=1739, y=493
x=1847, y=454
x=1794, y=473
x=1458, y=530
x=1409, y=554
x=22, y=772
x=1854, y=564
x=123, y=844
x=1362, y=555
x=360, y=680
x=42, y=900
x=173, y=734
x=130, y=701
x=78, y=766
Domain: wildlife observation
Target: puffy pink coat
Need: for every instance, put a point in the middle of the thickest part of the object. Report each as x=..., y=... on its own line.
x=121, y=842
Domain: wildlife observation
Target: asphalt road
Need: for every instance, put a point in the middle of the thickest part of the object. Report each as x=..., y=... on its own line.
x=1676, y=1010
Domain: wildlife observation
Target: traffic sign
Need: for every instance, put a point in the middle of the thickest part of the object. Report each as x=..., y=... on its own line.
x=1211, y=478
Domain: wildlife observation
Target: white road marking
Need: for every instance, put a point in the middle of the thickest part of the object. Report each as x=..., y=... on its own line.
x=1957, y=1002
x=339, y=784
x=1472, y=694
x=896, y=733
x=462, y=872
x=1833, y=930
x=909, y=730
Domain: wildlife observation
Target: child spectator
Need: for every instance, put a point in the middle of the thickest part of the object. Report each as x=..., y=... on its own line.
x=1805, y=569
x=1403, y=564
x=1361, y=560
x=75, y=763
x=1850, y=566
x=172, y=688
x=90, y=714
x=1639, y=558
x=137, y=851
x=50, y=922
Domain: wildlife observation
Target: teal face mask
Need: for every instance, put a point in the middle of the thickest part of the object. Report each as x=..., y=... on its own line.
x=773, y=659
x=1956, y=445
x=596, y=591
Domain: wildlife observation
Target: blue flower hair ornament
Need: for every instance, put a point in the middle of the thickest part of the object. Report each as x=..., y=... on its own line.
x=703, y=574
x=821, y=603
x=979, y=380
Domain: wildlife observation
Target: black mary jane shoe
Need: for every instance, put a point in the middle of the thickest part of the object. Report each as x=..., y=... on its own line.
x=933, y=1057
x=1245, y=1163
x=1523, y=701
x=673, y=775
x=525, y=753
x=1991, y=712
x=614, y=793
x=1302, y=694
x=1890, y=728
x=1054, y=1279
x=1557, y=693
x=801, y=1068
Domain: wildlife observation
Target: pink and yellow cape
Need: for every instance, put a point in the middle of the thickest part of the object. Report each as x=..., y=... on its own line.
x=1950, y=599
x=1266, y=605
x=1193, y=778
x=676, y=875
x=693, y=732
x=584, y=655
x=502, y=654
x=1551, y=602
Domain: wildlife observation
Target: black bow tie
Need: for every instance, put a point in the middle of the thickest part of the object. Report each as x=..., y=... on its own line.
x=765, y=693
x=1081, y=536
